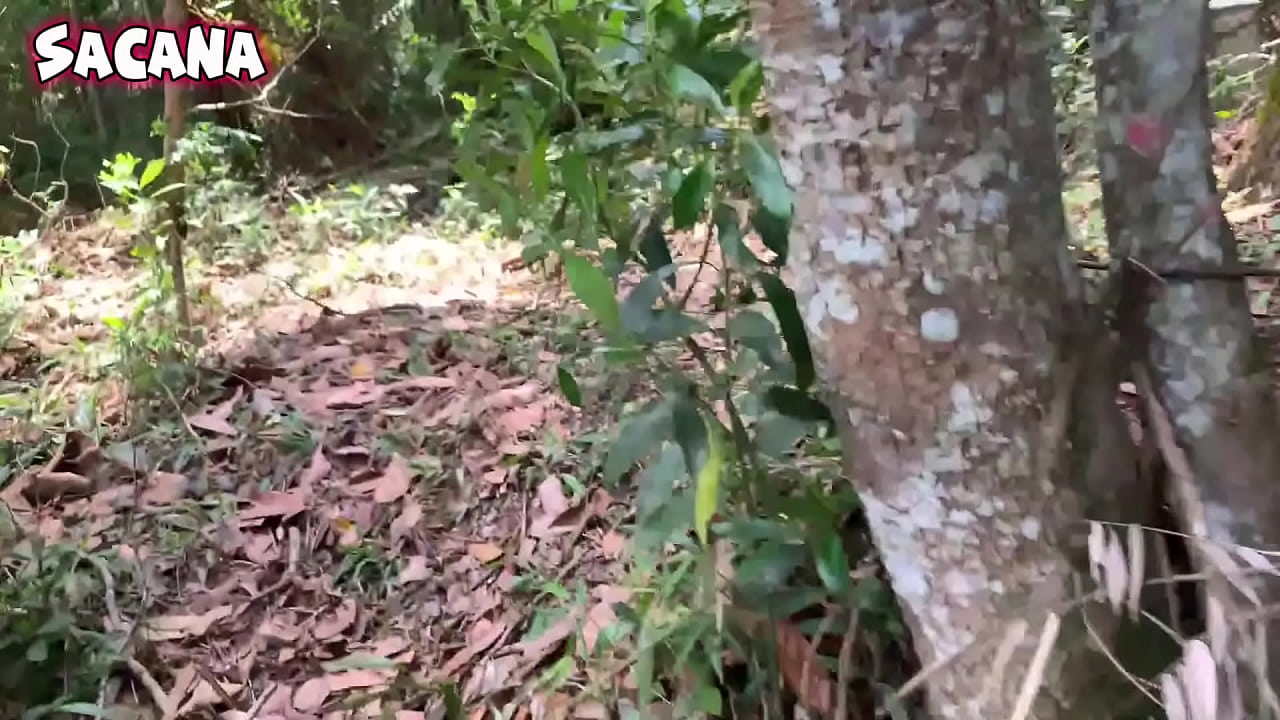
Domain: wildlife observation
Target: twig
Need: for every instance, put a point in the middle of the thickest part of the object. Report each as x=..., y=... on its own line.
x=207, y=675
x=1234, y=272
x=844, y=670
x=157, y=693
x=303, y=296
x=261, y=98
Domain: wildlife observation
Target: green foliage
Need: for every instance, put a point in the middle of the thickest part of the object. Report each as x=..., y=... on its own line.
x=52, y=639
x=597, y=132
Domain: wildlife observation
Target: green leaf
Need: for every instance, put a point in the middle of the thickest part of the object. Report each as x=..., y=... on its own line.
x=38, y=651
x=783, y=301
x=653, y=245
x=359, y=661
x=797, y=404
x=703, y=451
x=688, y=85
x=592, y=287
x=707, y=496
x=657, y=482
x=777, y=434
x=691, y=197
x=637, y=309
x=536, y=166
x=568, y=386
x=637, y=438
x=576, y=175
x=167, y=189
x=766, y=177
x=770, y=564
x=729, y=235
x=151, y=172
x=832, y=563
x=539, y=38
x=774, y=231
x=760, y=335
x=746, y=86
x=87, y=709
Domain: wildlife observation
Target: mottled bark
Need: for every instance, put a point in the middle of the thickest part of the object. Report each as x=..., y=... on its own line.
x=1195, y=337
x=929, y=255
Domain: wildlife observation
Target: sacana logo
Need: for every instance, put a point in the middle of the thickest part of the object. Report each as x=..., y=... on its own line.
x=137, y=53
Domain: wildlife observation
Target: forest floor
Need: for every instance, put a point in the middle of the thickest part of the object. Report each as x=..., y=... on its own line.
x=372, y=498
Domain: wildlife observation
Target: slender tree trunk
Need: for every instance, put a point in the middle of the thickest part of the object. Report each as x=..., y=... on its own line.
x=929, y=255
x=1193, y=336
x=175, y=110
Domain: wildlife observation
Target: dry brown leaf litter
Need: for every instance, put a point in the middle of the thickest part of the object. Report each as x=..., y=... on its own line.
x=431, y=477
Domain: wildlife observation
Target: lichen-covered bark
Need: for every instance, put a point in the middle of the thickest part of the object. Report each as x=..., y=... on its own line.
x=929, y=255
x=1161, y=206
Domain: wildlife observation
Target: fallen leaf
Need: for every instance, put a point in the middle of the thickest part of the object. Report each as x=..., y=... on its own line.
x=1249, y=212
x=803, y=671
x=415, y=569
x=355, y=395
x=386, y=647
x=599, y=617
x=551, y=495
x=485, y=552
x=538, y=648
x=425, y=382
x=311, y=694
x=394, y=482
x=215, y=420
x=48, y=485
x=613, y=544
x=407, y=520
x=518, y=421
x=279, y=629
x=340, y=619
x=164, y=488
x=511, y=397
x=491, y=632
x=316, y=471
x=263, y=401
x=274, y=504
x=362, y=368
x=204, y=694
x=183, y=680
x=359, y=679
x=174, y=627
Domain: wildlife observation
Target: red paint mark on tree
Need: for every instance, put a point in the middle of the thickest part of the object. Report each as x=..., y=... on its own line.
x=1147, y=135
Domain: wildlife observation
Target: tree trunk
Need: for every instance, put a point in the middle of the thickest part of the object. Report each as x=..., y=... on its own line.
x=929, y=254
x=175, y=111
x=1161, y=206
